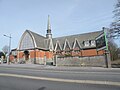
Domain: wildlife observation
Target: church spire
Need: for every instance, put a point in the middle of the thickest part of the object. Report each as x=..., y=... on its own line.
x=48, y=25
x=48, y=35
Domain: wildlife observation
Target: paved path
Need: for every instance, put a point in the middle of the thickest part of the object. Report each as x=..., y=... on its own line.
x=35, y=66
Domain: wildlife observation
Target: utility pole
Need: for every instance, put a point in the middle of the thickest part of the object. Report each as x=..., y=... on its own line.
x=8, y=60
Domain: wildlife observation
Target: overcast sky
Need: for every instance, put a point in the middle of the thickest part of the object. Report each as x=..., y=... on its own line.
x=67, y=17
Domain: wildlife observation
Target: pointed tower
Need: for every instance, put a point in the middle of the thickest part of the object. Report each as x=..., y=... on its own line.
x=48, y=35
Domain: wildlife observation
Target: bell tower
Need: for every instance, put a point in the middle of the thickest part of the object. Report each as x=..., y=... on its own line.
x=48, y=35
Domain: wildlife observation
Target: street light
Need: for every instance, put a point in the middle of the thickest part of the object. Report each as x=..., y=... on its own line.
x=9, y=47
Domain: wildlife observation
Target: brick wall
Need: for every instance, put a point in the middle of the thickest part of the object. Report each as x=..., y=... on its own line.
x=11, y=58
x=20, y=54
x=90, y=52
x=36, y=56
x=40, y=57
x=49, y=55
x=101, y=52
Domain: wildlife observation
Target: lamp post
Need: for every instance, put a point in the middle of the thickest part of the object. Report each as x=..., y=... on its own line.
x=9, y=47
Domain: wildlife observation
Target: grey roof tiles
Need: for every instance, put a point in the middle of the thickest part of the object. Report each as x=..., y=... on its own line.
x=43, y=43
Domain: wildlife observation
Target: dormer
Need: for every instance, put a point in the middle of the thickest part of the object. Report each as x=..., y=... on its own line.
x=67, y=46
x=86, y=43
x=92, y=43
x=58, y=46
x=76, y=45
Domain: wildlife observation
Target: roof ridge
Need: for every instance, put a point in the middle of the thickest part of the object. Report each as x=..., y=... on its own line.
x=35, y=33
x=78, y=34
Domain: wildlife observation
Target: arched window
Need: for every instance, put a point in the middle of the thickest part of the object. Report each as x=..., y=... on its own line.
x=26, y=42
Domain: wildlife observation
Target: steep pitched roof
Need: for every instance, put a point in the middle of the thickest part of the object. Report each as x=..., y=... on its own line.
x=39, y=39
x=44, y=43
x=79, y=37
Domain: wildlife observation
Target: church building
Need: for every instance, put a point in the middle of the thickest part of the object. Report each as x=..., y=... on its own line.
x=72, y=50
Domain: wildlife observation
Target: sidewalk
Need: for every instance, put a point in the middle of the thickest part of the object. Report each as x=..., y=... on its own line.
x=63, y=68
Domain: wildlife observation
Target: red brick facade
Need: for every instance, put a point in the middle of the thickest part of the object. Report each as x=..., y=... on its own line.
x=50, y=55
x=34, y=48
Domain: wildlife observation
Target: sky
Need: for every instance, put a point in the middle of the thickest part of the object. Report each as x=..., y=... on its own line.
x=67, y=17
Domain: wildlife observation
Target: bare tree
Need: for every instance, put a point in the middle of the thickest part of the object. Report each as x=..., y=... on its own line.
x=115, y=25
x=113, y=48
x=5, y=49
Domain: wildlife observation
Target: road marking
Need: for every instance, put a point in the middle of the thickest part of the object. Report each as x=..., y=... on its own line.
x=73, y=72
x=62, y=80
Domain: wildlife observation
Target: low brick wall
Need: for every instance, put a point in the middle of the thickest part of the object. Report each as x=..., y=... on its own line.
x=81, y=61
x=40, y=61
x=30, y=61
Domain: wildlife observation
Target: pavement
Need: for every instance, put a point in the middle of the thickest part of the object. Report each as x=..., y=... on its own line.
x=49, y=67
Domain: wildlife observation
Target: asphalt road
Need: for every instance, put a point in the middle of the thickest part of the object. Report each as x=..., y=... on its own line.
x=11, y=83
x=41, y=79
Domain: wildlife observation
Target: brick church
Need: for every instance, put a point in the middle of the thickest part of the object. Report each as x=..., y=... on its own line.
x=72, y=50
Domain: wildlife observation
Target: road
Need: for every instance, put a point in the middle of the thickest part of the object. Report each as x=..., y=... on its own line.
x=12, y=78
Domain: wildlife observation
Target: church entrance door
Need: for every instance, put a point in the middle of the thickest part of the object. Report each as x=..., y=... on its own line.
x=26, y=55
